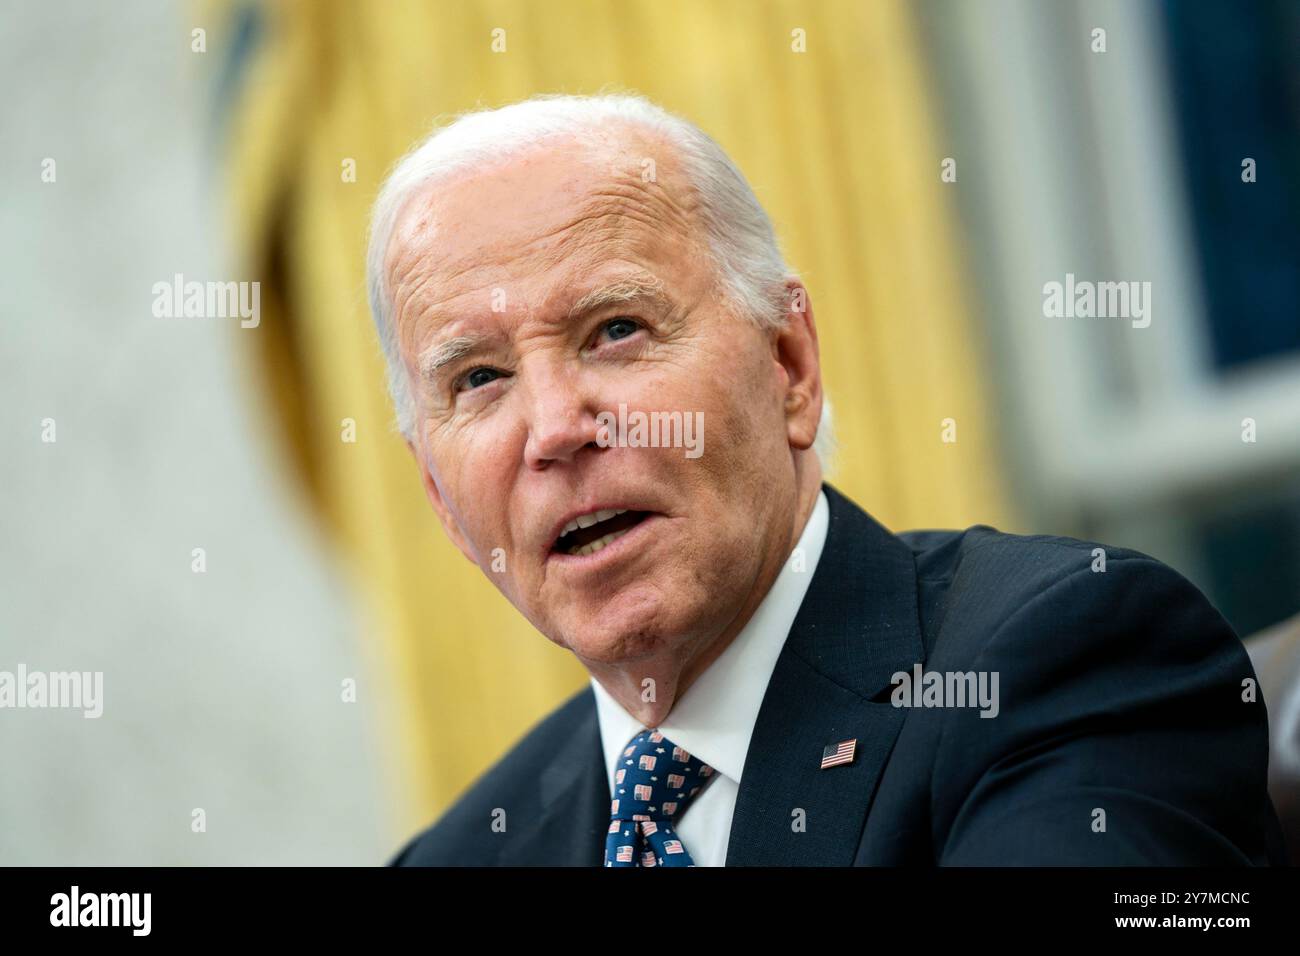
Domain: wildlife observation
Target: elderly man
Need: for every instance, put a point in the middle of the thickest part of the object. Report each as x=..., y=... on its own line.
x=775, y=678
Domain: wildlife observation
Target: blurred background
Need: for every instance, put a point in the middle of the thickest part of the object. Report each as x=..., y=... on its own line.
x=227, y=525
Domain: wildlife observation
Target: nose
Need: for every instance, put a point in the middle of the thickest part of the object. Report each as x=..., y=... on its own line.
x=562, y=420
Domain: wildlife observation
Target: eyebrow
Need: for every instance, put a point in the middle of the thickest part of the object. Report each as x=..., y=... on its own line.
x=629, y=289
x=437, y=357
x=639, y=287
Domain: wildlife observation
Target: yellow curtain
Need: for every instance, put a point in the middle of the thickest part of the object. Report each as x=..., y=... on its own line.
x=838, y=142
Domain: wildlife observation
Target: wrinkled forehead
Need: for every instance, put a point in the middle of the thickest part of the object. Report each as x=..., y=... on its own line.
x=556, y=209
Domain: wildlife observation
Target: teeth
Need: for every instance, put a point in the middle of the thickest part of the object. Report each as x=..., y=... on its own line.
x=586, y=521
x=601, y=542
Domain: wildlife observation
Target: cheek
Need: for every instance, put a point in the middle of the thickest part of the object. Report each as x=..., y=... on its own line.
x=739, y=402
x=474, y=470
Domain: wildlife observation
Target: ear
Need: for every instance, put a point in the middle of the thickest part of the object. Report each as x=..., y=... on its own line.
x=434, y=495
x=795, y=350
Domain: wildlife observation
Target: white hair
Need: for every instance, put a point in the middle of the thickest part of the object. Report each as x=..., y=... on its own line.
x=746, y=257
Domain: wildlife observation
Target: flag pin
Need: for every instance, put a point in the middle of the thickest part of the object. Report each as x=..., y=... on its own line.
x=835, y=754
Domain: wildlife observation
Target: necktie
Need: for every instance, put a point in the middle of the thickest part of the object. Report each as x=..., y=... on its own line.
x=653, y=785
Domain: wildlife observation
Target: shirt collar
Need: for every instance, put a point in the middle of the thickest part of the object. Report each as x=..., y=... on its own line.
x=715, y=718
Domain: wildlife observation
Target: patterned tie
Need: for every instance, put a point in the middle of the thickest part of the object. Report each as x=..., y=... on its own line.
x=654, y=783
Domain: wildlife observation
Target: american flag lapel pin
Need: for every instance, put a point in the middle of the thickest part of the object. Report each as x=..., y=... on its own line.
x=835, y=754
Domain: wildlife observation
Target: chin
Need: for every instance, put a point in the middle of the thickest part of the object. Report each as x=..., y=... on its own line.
x=614, y=635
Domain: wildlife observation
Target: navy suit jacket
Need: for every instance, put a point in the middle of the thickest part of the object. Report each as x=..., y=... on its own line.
x=1121, y=706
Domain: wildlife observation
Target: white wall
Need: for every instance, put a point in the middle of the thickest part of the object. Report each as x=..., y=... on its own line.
x=222, y=689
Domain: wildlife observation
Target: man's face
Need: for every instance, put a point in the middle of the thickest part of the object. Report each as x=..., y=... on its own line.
x=489, y=269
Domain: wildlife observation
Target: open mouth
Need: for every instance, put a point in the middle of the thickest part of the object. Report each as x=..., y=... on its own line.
x=587, y=534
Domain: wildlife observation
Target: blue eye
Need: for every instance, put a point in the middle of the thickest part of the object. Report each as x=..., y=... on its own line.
x=481, y=376
x=621, y=328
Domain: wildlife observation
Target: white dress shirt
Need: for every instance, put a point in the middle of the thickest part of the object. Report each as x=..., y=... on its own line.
x=715, y=718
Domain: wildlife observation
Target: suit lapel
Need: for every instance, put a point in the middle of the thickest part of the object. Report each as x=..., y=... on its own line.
x=857, y=626
x=573, y=792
